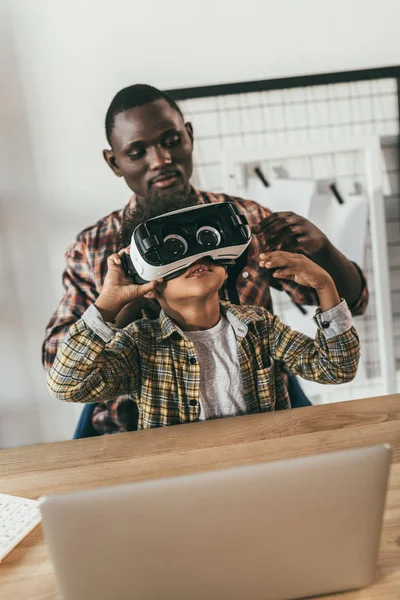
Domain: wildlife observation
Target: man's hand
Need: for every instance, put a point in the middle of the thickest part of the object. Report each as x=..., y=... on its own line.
x=118, y=289
x=290, y=232
x=303, y=271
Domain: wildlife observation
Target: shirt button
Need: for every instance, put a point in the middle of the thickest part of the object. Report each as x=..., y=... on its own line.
x=326, y=324
x=192, y=360
x=245, y=274
x=193, y=403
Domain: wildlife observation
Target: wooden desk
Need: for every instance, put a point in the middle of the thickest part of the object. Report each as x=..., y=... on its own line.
x=66, y=466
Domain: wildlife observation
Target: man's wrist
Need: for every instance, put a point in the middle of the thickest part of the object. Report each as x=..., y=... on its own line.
x=324, y=252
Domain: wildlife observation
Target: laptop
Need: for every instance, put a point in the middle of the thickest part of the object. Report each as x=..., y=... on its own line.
x=273, y=531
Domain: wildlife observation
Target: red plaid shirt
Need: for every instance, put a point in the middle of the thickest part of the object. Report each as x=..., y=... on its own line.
x=84, y=275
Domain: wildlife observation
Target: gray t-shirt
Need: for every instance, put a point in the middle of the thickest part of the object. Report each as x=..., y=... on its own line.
x=221, y=389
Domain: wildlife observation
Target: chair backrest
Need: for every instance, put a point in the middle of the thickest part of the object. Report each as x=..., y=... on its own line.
x=84, y=427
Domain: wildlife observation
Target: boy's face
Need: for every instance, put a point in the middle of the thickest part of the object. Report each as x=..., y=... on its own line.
x=201, y=280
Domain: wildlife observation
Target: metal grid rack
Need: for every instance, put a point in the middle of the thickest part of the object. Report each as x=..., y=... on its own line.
x=294, y=111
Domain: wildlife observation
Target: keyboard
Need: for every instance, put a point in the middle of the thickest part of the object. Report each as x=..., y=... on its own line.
x=18, y=516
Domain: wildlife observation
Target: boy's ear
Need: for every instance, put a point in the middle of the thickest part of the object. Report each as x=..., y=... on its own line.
x=156, y=293
x=153, y=294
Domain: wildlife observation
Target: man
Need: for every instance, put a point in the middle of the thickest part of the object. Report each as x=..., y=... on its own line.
x=151, y=148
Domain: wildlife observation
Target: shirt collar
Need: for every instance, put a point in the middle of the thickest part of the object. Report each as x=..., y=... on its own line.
x=167, y=327
x=241, y=318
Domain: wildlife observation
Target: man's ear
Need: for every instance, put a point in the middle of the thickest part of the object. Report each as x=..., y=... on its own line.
x=189, y=129
x=111, y=160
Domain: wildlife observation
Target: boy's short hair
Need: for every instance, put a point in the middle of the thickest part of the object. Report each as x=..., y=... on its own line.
x=149, y=210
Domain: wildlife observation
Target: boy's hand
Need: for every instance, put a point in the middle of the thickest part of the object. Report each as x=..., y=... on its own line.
x=303, y=271
x=118, y=289
x=296, y=267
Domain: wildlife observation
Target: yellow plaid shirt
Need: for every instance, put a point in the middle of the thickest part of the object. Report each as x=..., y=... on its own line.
x=153, y=362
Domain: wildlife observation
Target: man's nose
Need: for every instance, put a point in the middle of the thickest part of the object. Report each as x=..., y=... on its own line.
x=158, y=158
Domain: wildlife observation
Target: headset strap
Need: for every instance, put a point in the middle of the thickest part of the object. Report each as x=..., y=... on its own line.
x=233, y=273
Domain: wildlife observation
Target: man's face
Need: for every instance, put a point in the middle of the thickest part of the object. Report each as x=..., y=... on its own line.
x=152, y=150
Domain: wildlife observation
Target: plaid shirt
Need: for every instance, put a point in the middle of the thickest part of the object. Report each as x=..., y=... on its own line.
x=84, y=275
x=153, y=362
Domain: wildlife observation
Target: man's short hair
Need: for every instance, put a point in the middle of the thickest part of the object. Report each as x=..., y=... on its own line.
x=132, y=96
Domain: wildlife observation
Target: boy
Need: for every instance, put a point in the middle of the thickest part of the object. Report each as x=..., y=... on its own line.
x=202, y=358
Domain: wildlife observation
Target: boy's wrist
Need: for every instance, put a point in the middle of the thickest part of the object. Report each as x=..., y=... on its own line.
x=328, y=295
x=109, y=308
x=326, y=285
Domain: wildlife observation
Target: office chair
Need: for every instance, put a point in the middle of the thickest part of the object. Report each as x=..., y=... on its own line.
x=84, y=427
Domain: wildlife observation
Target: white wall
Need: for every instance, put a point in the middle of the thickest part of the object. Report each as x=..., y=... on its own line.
x=61, y=63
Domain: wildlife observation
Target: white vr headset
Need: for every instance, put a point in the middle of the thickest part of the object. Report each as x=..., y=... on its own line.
x=167, y=245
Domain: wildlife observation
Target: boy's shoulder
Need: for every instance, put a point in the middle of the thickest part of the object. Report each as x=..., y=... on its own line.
x=153, y=331
x=144, y=326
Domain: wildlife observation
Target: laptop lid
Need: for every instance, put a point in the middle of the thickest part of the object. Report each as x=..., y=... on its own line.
x=277, y=530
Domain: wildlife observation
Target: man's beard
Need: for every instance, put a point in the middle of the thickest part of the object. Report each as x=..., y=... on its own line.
x=157, y=203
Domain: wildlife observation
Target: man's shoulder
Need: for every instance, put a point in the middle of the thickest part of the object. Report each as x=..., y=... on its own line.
x=99, y=236
x=110, y=221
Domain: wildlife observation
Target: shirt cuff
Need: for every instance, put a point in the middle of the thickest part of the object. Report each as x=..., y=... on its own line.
x=335, y=321
x=96, y=323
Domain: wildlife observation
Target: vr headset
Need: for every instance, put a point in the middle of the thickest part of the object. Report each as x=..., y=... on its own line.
x=165, y=246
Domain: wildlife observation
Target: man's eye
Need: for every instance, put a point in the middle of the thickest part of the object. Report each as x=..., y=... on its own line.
x=172, y=140
x=136, y=154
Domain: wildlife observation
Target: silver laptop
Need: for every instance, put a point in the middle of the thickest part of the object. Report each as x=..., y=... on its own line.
x=272, y=531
